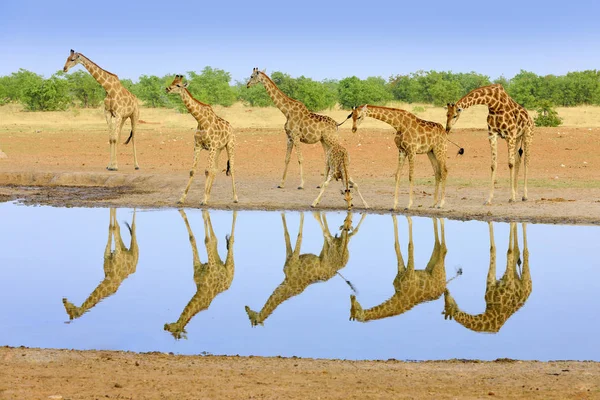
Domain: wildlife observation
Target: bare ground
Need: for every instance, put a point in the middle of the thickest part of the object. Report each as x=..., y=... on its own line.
x=39, y=374
x=67, y=168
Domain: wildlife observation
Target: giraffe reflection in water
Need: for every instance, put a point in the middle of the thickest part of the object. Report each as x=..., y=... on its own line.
x=503, y=297
x=211, y=278
x=302, y=270
x=118, y=265
x=411, y=286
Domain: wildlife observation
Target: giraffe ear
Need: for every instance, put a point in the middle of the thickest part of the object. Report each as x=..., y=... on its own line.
x=72, y=51
x=185, y=85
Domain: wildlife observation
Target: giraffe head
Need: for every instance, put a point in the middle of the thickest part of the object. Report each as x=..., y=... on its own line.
x=358, y=115
x=452, y=115
x=254, y=78
x=177, y=86
x=176, y=330
x=72, y=61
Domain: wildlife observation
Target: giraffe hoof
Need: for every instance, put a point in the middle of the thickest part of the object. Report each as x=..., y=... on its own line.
x=280, y=186
x=524, y=198
x=137, y=168
x=511, y=200
x=112, y=168
x=235, y=200
x=300, y=187
x=487, y=203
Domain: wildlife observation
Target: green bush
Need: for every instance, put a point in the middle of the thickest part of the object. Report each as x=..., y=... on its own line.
x=85, y=89
x=211, y=86
x=51, y=94
x=547, y=115
x=353, y=91
x=418, y=109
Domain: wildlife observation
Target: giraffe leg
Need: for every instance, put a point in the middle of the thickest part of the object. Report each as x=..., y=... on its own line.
x=300, y=159
x=288, y=154
x=230, y=158
x=192, y=172
x=401, y=265
x=436, y=172
x=493, y=138
x=527, y=140
x=114, y=133
x=510, y=143
x=213, y=160
x=491, y=277
x=411, y=175
x=323, y=187
x=443, y=170
x=134, y=121
x=518, y=159
x=286, y=236
x=355, y=186
x=411, y=246
x=401, y=159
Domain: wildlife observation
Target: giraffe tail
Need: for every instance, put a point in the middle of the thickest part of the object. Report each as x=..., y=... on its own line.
x=129, y=138
x=228, y=170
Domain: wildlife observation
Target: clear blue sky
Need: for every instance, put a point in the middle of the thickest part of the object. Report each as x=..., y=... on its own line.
x=317, y=39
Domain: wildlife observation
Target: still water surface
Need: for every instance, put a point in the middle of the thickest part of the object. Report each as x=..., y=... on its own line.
x=173, y=281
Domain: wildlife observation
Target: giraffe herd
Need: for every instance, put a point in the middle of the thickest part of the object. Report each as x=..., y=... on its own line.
x=507, y=120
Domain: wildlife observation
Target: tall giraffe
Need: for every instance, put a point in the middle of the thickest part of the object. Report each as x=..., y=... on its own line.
x=212, y=277
x=302, y=270
x=119, y=105
x=503, y=297
x=413, y=136
x=118, y=265
x=301, y=125
x=506, y=119
x=213, y=134
x=412, y=287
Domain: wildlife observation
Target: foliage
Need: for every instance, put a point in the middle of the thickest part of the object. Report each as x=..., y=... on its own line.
x=418, y=109
x=51, y=94
x=353, y=91
x=151, y=90
x=211, y=86
x=547, y=115
x=84, y=88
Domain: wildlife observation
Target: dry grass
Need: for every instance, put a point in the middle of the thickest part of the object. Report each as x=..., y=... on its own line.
x=13, y=118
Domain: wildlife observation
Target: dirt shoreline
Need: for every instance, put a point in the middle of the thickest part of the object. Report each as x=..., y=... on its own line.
x=69, y=374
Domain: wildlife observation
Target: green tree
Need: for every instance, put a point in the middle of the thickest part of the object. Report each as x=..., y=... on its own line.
x=212, y=86
x=151, y=90
x=51, y=95
x=353, y=91
x=84, y=88
x=524, y=88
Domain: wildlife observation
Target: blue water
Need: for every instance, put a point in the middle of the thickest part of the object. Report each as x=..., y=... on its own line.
x=47, y=254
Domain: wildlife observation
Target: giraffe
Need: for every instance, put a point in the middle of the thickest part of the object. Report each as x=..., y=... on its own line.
x=213, y=134
x=337, y=167
x=212, y=277
x=506, y=119
x=118, y=265
x=413, y=136
x=301, y=125
x=503, y=297
x=119, y=105
x=302, y=270
x=412, y=287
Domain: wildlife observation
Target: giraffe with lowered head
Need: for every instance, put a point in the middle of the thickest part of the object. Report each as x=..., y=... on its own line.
x=411, y=287
x=506, y=119
x=302, y=270
x=118, y=265
x=503, y=297
x=301, y=125
x=211, y=278
x=213, y=134
x=413, y=136
x=119, y=105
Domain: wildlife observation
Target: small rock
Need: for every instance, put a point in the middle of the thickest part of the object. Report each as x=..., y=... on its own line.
x=491, y=394
x=118, y=385
x=585, y=162
x=55, y=397
x=562, y=165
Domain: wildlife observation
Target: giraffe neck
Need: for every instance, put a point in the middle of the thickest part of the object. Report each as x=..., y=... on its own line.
x=400, y=120
x=283, y=292
x=203, y=113
x=106, y=79
x=281, y=100
x=492, y=96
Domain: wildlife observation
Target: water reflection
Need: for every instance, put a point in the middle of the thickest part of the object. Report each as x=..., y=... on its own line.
x=211, y=278
x=302, y=270
x=503, y=297
x=118, y=265
x=411, y=286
